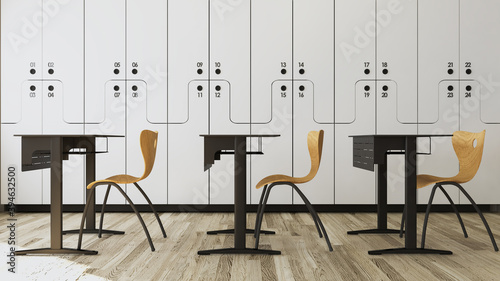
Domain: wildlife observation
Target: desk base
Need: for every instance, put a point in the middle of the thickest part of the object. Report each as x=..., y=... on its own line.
x=410, y=251
x=247, y=251
x=374, y=231
x=49, y=251
x=231, y=231
x=93, y=231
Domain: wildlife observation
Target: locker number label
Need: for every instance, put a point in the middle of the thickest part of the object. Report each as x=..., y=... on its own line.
x=283, y=94
x=450, y=95
x=468, y=64
x=117, y=64
x=217, y=94
x=301, y=64
x=283, y=64
x=385, y=95
x=384, y=64
x=135, y=64
x=367, y=64
x=50, y=64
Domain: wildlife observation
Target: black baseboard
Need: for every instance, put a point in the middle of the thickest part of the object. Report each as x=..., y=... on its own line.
x=250, y=208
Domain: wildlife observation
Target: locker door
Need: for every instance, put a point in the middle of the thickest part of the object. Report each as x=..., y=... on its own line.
x=63, y=37
x=479, y=60
x=354, y=97
x=188, y=90
x=438, y=92
x=147, y=93
x=147, y=55
x=229, y=61
x=28, y=184
x=277, y=157
x=271, y=85
x=21, y=110
x=397, y=61
x=313, y=98
x=105, y=93
x=230, y=53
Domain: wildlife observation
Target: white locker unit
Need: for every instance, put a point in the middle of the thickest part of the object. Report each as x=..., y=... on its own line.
x=21, y=98
x=105, y=87
x=229, y=61
x=438, y=91
x=354, y=96
x=313, y=95
x=271, y=96
x=147, y=94
x=277, y=157
x=479, y=104
x=188, y=94
x=28, y=184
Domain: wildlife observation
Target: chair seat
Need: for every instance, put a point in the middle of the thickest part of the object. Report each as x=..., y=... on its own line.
x=280, y=178
x=118, y=179
x=425, y=180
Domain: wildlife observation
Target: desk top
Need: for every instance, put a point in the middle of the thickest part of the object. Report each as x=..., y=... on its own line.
x=404, y=135
x=239, y=135
x=69, y=136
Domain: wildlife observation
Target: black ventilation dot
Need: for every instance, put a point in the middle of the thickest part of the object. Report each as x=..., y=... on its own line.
x=283, y=88
x=199, y=88
x=32, y=88
x=116, y=71
x=217, y=71
x=116, y=88
x=301, y=88
x=468, y=88
x=199, y=71
x=450, y=71
x=217, y=88
x=32, y=71
x=134, y=88
x=51, y=88
x=302, y=71
x=367, y=88
x=283, y=71
x=450, y=88
x=51, y=71
x=367, y=71
x=385, y=71
x=385, y=88
x=134, y=71
x=468, y=71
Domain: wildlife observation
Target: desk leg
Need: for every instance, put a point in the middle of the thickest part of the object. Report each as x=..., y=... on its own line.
x=381, y=204
x=411, y=206
x=90, y=218
x=56, y=243
x=240, y=202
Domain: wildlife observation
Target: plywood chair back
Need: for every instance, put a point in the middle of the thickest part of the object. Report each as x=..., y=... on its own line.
x=315, y=145
x=469, y=149
x=149, y=141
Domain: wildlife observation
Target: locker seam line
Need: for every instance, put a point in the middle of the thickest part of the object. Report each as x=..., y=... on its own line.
x=293, y=89
x=209, y=87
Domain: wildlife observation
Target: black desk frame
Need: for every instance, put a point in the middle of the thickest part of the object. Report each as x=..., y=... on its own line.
x=380, y=144
x=214, y=144
x=59, y=147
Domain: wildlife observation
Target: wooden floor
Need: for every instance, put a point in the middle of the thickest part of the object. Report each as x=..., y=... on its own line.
x=304, y=255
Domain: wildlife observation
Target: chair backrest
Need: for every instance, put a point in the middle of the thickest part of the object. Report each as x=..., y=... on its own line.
x=469, y=149
x=149, y=140
x=315, y=145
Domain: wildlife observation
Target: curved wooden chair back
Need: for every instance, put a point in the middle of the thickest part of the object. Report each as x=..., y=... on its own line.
x=149, y=141
x=315, y=145
x=469, y=149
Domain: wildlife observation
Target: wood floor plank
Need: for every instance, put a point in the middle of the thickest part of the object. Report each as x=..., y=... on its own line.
x=305, y=255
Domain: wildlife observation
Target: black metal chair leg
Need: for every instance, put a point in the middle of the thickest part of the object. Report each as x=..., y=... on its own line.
x=261, y=216
x=480, y=215
x=427, y=212
x=82, y=223
x=401, y=230
x=258, y=208
x=311, y=211
x=99, y=234
x=138, y=215
x=454, y=209
x=314, y=214
x=152, y=208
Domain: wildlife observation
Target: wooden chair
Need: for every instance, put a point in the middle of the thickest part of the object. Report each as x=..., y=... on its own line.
x=315, y=144
x=148, y=140
x=469, y=150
